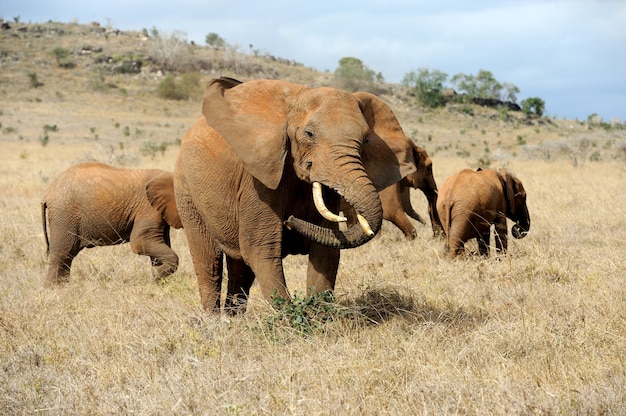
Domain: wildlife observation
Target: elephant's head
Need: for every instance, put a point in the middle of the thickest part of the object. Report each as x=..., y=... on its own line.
x=319, y=131
x=424, y=180
x=160, y=193
x=515, y=204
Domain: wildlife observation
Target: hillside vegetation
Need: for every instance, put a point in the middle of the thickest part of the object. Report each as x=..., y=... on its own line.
x=541, y=330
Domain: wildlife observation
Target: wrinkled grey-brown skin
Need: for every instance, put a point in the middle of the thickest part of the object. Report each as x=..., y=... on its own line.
x=243, y=184
x=94, y=204
x=470, y=201
x=396, y=198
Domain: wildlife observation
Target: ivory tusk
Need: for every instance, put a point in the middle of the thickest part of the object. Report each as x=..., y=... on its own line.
x=342, y=225
x=365, y=225
x=321, y=207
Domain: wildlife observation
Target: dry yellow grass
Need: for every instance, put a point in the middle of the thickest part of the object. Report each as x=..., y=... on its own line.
x=539, y=331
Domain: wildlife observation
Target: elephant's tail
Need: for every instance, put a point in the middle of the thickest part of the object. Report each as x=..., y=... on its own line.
x=44, y=207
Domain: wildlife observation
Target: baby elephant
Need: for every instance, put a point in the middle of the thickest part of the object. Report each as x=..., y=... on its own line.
x=93, y=204
x=470, y=201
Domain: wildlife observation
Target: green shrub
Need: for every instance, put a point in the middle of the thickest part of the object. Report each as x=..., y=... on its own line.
x=62, y=57
x=183, y=89
x=34, y=82
x=151, y=148
x=305, y=314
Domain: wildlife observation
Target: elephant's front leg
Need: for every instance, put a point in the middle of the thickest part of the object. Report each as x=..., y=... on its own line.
x=501, y=234
x=153, y=240
x=322, y=269
x=240, y=279
x=208, y=264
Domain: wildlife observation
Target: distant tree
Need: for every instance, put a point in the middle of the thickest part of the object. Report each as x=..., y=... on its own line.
x=428, y=86
x=533, y=105
x=352, y=75
x=510, y=92
x=215, y=41
x=171, y=51
x=484, y=86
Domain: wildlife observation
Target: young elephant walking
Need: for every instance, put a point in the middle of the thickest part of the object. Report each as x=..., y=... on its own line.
x=470, y=201
x=93, y=204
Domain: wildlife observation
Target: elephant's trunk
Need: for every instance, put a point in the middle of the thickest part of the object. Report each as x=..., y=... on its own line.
x=522, y=225
x=435, y=222
x=359, y=192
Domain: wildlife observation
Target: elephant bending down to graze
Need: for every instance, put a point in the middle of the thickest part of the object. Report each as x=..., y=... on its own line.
x=93, y=204
x=470, y=201
x=259, y=176
x=396, y=198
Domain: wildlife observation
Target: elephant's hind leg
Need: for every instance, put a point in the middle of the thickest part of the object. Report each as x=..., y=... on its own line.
x=58, y=270
x=240, y=279
x=63, y=248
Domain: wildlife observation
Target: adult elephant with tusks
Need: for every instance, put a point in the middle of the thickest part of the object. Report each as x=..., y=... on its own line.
x=261, y=176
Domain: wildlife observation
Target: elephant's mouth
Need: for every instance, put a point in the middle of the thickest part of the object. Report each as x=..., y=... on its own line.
x=318, y=199
x=343, y=237
x=518, y=232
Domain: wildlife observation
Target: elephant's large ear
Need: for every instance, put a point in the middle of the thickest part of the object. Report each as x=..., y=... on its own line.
x=387, y=154
x=251, y=117
x=160, y=192
x=509, y=182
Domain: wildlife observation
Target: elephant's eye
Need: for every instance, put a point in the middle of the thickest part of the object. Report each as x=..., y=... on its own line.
x=309, y=133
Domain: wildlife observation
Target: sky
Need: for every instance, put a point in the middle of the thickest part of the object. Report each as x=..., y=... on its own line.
x=571, y=54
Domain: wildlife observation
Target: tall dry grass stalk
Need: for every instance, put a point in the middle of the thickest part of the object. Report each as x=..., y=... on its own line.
x=541, y=330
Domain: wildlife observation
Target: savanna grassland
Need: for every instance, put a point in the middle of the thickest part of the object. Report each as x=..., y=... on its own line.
x=541, y=330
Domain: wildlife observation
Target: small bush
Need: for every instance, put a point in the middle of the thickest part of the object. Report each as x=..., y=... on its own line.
x=151, y=148
x=62, y=57
x=183, y=89
x=34, y=82
x=305, y=314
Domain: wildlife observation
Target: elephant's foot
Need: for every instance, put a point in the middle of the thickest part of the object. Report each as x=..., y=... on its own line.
x=236, y=304
x=56, y=279
x=161, y=270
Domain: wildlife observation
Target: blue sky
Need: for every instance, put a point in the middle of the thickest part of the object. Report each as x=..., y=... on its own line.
x=572, y=54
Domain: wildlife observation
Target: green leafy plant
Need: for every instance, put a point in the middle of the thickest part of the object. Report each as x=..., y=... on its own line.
x=304, y=314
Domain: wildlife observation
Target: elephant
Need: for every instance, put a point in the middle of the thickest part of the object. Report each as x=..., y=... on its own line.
x=261, y=173
x=93, y=204
x=396, y=198
x=470, y=201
